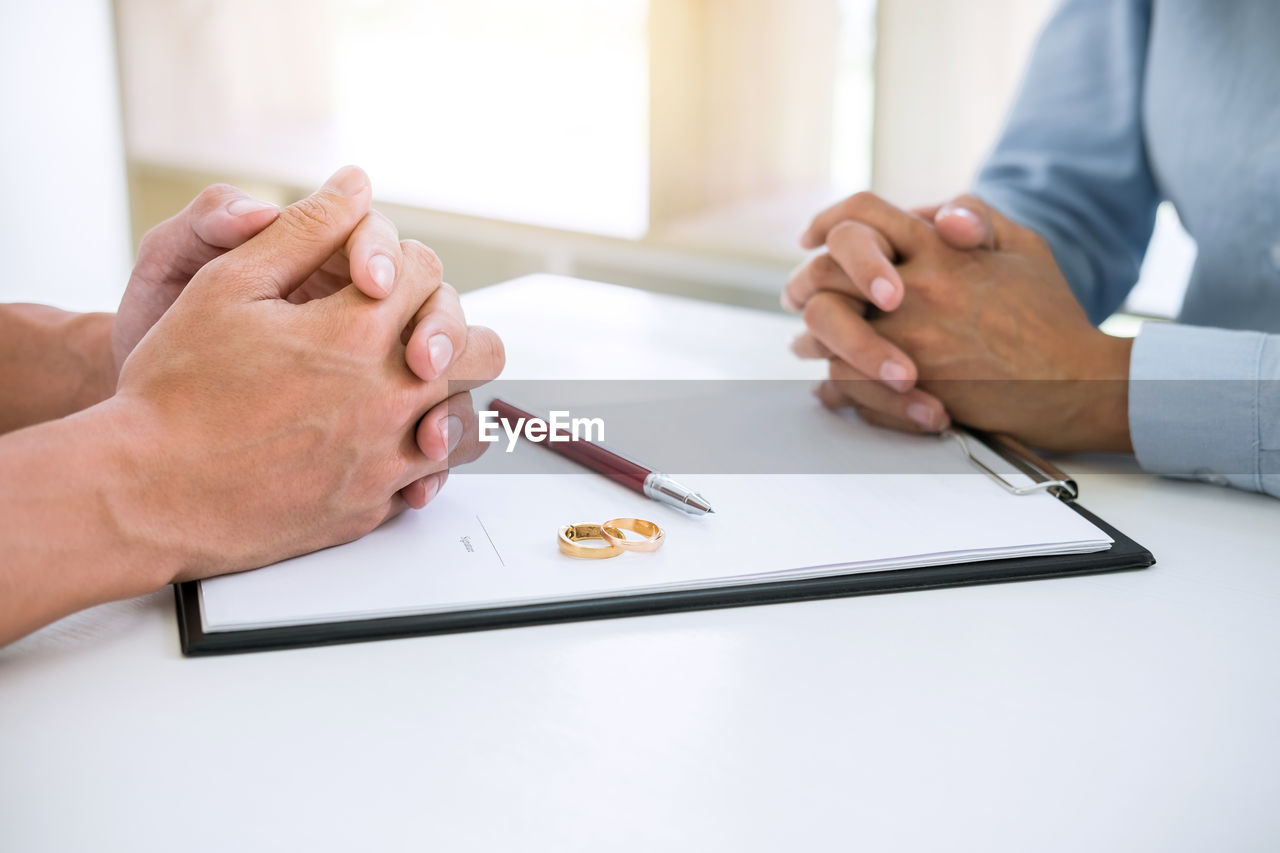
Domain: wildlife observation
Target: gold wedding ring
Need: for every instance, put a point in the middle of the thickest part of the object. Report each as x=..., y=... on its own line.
x=651, y=533
x=571, y=534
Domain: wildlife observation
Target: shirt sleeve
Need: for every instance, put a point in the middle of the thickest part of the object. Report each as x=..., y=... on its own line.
x=1071, y=162
x=1205, y=404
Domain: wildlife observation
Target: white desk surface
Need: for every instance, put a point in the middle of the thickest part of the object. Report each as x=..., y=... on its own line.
x=1134, y=711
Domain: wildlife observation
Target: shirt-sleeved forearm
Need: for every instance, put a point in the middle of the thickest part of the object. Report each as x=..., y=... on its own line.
x=1071, y=163
x=1205, y=403
x=1074, y=165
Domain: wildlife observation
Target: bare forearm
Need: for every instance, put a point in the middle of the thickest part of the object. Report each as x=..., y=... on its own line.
x=68, y=535
x=52, y=363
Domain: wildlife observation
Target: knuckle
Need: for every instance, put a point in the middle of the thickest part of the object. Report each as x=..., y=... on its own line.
x=309, y=215
x=424, y=256
x=844, y=233
x=450, y=293
x=819, y=307
x=153, y=241
x=920, y=232
x=380, y=219
x=845, y=240
x=213, y=196
x=445, y=307
x=862, y=200
x=490, y=352
x=382, y=230
x=462, y=405
x=827, y=272
x=860, y=245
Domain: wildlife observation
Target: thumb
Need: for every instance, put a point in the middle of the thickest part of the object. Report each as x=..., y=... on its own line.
x=304, y=236
x=967, y=222
x=221, y=217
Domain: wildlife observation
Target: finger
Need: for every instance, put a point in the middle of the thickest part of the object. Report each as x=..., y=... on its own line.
x=373, y=250
x=221, y=217
x=927, y=213
x=303, y=237
x=836, y=323
x=903, y=231
x=966, y=223
x=370, y=260
x=450, y=430
x=394, y=507
x=807, y=346
x=224, y=217
x=915, y=410
x=320, y=284
x=878, y=418
x=421, y=275
x=421, y=491
x=819, y=272
x=481, y=360
x=866, y=258
x=438, y=331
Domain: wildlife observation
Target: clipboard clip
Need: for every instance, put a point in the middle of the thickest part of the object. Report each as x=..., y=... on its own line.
x=1047, y=476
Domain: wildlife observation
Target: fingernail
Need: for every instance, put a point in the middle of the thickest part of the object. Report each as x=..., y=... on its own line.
x=957, y=210
x=440, y=349
x=896, y=376
x=922, y=415
x=451, y=431
x=245, y=206
x=383, y=272
x=348, y=181
x=882, y=290
x=430, y=485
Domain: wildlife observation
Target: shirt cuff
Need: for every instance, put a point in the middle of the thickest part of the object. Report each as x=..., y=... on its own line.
x=1203, y=404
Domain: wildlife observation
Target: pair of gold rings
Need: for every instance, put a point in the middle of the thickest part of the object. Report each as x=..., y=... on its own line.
x=610, y=533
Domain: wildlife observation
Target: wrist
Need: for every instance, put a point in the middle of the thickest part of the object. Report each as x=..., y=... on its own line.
x=89, y=343
x=1104, y=415
x=75, y=531
x=142, y=492
x=52, y=363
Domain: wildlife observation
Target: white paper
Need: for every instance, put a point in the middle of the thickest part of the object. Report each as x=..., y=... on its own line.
x=490, y=540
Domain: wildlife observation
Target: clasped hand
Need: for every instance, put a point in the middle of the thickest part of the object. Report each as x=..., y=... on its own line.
x=955, y=313
x=306, y=377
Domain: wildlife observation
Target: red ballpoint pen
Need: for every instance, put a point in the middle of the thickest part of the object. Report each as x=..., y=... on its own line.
x=648, y=482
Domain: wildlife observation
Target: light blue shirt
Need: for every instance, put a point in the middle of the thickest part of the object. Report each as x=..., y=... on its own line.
x=1130, y=102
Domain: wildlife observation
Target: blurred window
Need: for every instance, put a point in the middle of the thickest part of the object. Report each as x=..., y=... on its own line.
x=603, y=117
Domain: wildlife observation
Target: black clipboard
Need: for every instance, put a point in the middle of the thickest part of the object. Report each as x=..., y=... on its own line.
x=1124, y=554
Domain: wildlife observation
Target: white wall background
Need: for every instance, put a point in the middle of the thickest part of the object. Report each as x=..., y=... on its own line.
x=64, y=232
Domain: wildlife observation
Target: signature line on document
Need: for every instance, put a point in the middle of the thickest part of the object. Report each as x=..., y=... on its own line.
x=491, y=545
